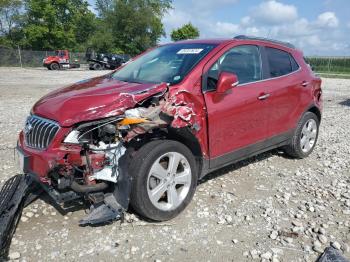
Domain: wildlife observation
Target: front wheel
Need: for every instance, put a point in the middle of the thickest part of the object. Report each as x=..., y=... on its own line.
x=305, y=136
x=97, y=66
x=164, y=179
x=54, y=66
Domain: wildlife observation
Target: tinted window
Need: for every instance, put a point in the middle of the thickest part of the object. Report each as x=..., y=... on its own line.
x=168, y=63
x=295, y=65
x=280, y=62
x=244, y=61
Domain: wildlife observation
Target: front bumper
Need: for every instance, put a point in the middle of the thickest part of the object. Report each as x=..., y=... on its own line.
x=40, y=162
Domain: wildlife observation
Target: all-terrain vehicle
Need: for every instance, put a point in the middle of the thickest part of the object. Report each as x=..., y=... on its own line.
x=61, y=60
x=145, y=134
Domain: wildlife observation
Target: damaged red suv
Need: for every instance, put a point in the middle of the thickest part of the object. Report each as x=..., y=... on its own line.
x=144, y=134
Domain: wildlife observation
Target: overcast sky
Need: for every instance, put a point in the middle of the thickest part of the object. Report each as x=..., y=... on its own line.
x=318, y=27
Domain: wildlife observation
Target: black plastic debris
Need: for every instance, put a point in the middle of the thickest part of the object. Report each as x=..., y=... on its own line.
x=114, y=204
x=107, y=211
x=331, y=255
x=12, y=200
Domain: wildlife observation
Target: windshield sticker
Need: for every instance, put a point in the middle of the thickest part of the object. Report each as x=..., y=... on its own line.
x=189, y=51
x=176, y=78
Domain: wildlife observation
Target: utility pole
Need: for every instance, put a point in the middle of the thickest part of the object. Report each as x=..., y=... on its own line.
x=20, y=57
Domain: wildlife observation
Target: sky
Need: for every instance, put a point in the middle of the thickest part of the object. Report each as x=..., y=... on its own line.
x=318, y=27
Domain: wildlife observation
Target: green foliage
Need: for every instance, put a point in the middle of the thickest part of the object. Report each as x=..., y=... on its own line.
x=340, y=65
x=57, y=24
x=134, y=25
x=121, y=26
x=187, y=31
x=10, y=20
x=102, y=40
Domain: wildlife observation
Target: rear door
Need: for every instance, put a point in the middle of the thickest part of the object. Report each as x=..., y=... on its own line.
x=238, y=118
x=285, y=89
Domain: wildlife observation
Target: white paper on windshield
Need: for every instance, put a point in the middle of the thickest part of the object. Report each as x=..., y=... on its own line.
x=189, y=51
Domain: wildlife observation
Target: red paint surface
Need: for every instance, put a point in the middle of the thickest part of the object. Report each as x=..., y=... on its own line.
x=93, y=99
x=57, y=59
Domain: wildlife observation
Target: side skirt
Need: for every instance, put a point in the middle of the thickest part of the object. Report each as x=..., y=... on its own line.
x=246, y=152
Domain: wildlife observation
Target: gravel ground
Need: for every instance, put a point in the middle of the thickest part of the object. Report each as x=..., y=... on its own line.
x=267, y=208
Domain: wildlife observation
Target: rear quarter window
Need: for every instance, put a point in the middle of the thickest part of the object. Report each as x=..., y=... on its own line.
x=280, y=62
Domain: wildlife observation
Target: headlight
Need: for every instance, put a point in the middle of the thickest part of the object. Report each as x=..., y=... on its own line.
x=103, y=129
x=72, y=137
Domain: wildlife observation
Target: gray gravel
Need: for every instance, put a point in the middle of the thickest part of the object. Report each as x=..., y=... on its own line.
x=268, y=208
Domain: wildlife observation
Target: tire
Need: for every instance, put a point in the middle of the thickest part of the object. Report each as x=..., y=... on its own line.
x=155, y=155
x=307, y=130
x=54, y=66
x=97, y=66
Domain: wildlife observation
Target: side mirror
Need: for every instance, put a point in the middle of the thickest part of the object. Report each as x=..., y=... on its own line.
x=226, y=81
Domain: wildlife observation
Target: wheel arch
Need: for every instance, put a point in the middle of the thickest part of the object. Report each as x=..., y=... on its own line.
x=186, y=137
x=181, y=135
x=314, y=109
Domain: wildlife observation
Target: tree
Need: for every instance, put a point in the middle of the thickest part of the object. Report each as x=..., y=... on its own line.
x=134, y=25
x=10, y=19
x=103, y=6
x=187, y=31
x=57, y=24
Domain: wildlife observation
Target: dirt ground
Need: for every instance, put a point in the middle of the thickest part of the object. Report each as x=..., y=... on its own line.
x=243, y=212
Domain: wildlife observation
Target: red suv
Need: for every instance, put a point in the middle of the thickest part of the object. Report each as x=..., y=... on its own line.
x=144, y=134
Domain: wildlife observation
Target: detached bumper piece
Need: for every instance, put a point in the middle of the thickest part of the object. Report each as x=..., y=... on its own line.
x=114, y=204
x=12, y=200
x=105, y=212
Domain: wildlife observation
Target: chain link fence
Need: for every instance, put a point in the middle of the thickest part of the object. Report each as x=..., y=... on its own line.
x=28, y=58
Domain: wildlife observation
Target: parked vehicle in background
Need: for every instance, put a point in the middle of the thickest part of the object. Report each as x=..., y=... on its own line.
x=61, y=60
x=99, y=61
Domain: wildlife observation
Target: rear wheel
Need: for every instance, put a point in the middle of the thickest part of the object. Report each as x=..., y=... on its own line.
x=54, y=66
x=305, y=136
x=164, y=179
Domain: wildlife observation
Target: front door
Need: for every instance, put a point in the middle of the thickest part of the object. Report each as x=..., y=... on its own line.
x=238, y=118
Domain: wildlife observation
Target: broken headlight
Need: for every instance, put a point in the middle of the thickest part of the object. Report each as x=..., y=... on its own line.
x=72, y=137
x=94, y=132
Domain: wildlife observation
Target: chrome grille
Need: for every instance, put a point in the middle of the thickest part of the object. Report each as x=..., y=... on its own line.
x=39, y=132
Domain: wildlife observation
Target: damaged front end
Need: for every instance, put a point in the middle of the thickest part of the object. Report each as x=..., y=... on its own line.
x=89, y=161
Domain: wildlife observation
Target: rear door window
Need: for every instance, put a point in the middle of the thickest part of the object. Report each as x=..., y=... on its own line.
x=280, y=62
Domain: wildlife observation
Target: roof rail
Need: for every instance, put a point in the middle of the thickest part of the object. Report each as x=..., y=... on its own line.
x=244, y=37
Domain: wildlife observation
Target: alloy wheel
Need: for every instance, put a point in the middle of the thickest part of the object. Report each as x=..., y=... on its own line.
x=169, y=181
x=308, y=135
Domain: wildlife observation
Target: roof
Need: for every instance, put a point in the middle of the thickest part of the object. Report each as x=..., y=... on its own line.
x=236, y=38
x=203, y=41
x=244, y=37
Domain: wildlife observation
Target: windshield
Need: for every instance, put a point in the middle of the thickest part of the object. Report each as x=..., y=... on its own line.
x=168, y=63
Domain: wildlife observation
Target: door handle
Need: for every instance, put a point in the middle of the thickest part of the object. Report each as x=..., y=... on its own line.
x=264, y=96
x=305, y=83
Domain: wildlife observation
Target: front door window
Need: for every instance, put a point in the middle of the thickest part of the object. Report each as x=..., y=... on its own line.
x=244, y=61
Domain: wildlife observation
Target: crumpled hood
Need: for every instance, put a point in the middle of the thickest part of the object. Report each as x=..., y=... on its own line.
x=93, y=99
